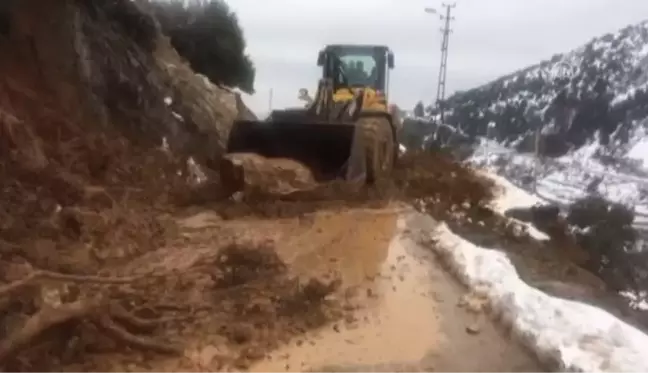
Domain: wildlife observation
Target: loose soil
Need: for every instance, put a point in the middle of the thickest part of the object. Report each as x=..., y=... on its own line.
x=335, y=293
x=407, y=310
x=306, y=281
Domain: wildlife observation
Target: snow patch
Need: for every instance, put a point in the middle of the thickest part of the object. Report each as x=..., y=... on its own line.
x=636, y=301
x=509, y=196
x=573, y=176
x=639, y=151
x=577, y=336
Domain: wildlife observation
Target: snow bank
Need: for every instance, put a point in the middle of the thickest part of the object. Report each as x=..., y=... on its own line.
x=510, y=196
x=639, y=151
x=577, y=336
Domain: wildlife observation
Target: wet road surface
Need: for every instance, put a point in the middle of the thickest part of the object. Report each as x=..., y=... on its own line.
x=401, y=311
x=410, y=314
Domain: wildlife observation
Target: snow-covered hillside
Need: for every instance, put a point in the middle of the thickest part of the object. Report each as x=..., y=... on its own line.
x=591, y=105
x=576, y=174
x=601, y=86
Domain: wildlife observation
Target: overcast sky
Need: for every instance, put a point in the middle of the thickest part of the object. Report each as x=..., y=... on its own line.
x=490, y=38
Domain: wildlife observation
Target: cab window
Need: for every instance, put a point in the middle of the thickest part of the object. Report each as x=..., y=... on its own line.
x=360, y=68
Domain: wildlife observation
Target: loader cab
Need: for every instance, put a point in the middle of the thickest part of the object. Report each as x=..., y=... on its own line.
x=357, y=66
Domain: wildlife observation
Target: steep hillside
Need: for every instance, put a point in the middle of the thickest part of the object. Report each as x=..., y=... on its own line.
x=101, y=125
x=601, y=86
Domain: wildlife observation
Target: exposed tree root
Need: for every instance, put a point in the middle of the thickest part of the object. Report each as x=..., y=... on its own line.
x=12, y=287
x=86, y=279
x=140, y=323
x=121, y=334
x=42, y=320
x=49, y=317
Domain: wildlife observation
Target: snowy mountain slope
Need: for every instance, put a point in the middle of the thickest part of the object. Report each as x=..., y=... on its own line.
x=572, y=176
x=601, y=86
x=580, y=173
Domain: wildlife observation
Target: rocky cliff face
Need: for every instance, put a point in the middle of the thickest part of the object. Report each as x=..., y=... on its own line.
x=89, y=94
x=204, y=109
x=109, y=64
x=600, y=87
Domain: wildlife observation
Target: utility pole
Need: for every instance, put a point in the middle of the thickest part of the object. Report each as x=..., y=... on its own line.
x=443, y=68
x=270, y=101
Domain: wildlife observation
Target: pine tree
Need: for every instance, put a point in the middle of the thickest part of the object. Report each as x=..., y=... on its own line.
x=208, y=35
x=419, y=109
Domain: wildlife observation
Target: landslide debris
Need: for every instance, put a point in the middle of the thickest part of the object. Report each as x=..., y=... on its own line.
x=92, y=158
x=568, y=265
x=266, y=306
x=95, y=273
x=430, y=179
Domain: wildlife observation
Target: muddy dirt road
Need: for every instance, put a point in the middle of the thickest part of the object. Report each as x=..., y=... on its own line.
x=403, y=311
x=408, y=314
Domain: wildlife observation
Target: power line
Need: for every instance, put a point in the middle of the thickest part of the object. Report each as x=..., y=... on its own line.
x=443, y=68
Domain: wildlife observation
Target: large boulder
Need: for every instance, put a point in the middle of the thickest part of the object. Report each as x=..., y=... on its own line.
x=208, y=110
x=249, y=172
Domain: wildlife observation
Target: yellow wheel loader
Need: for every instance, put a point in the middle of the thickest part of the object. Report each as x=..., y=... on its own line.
x=346, y=131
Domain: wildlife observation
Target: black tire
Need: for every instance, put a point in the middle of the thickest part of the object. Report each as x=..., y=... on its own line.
x=379, y=147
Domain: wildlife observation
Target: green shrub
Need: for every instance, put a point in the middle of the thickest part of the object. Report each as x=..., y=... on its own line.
x=208, y=35
x=126, y=18
x=605, y=230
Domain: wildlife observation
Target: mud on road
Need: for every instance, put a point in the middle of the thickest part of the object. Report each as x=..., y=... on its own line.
x=331, y=290
x=407, y=313
x=306, y=281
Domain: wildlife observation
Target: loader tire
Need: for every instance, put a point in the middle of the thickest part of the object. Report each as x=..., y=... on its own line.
x=378, y=140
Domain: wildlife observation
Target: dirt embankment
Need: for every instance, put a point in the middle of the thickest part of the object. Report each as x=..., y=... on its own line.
x=85, y=185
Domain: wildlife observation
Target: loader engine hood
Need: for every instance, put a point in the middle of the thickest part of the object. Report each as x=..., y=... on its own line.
x=372, y=99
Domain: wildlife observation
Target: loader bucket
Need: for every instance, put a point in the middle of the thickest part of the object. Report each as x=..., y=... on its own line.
x=323, y=147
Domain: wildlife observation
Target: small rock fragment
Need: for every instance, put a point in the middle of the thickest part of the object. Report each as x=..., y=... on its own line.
x=473, y=329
